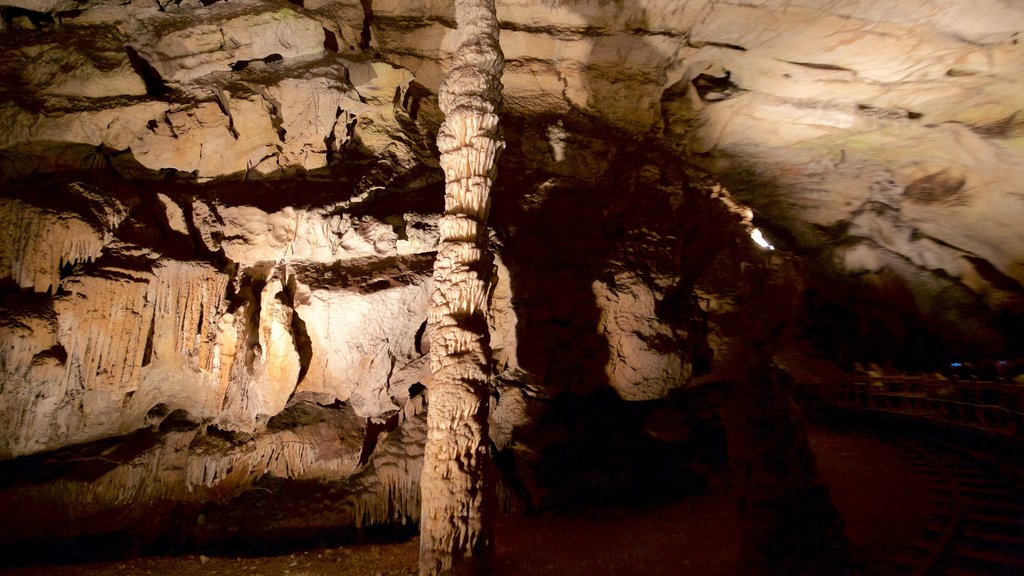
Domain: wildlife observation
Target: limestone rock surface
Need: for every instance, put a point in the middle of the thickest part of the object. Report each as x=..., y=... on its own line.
x=219, y=216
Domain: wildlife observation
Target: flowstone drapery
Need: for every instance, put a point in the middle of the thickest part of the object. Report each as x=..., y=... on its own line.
x=455, y=492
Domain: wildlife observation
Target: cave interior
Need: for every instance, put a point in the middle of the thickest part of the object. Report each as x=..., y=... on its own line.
x=756, y=297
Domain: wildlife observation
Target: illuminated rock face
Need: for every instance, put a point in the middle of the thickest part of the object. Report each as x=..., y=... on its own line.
x=885, y=142
x=229, y=212
x=128, y=329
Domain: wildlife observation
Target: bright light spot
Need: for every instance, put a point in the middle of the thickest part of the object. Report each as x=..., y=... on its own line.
x=756, y=235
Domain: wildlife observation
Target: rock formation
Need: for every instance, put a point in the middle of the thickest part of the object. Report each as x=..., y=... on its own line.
x=456, y=521
x=221, y=219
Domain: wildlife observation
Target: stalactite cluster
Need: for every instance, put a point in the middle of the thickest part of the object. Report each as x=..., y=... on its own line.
x=455, y=499
x=71, y=238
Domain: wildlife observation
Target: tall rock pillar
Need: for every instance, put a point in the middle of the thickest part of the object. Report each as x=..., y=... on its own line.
x=456, y=520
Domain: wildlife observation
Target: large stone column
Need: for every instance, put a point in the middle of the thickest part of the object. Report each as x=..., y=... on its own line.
x=788, y=525
x=456, y=523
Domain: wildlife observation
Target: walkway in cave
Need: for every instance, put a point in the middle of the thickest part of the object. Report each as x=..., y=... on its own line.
x=874, y=485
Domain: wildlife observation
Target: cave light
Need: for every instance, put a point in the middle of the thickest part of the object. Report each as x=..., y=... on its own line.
x=759, y=239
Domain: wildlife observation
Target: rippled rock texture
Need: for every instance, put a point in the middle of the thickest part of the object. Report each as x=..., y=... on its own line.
x=221, y=219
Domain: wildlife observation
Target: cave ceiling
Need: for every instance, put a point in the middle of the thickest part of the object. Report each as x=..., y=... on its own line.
x=231, y=175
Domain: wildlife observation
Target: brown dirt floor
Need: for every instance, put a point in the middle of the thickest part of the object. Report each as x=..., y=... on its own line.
x=874, y=488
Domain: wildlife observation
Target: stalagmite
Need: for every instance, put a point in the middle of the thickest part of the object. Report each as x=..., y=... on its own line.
x=456, y=498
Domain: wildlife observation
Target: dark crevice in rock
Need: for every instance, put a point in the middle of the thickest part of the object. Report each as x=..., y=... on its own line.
x=156, y=87
x=888, y=113
x=417, y=388
x=179, y=420
x=938, y=187
x=569, y=33
x=331, y=41
x=1008, y=127
x=993, y=276
x=68, y=269
x=240, y=65
x=958, y=72
x=331, y=141
x=820, y=66
x=25, y=19
x=298, y=415
x=412, y=98
x=715, y=88
x=420, y=332
x=55, y=352
x=157, y=412
x=718, y=45
x=366, y=275
x=222, y=103
x=254, y=281
x=147, y=354
x=373, y=432
x=365, y=34
x=303, y=343
x=275, y=117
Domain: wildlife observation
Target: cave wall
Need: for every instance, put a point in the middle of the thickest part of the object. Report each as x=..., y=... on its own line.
x=221, y=218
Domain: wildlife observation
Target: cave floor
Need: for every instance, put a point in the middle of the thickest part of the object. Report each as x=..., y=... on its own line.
x=871, y=483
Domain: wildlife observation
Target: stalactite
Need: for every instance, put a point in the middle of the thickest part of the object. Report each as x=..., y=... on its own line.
x=44, y=239
x=102, y=324
x=188, y=299
x=285, y=455
x=388, y=489
x=456, y=496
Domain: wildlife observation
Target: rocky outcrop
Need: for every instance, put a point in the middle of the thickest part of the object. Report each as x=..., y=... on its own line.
x=908, y=112
x=45, y=236
x=807, y=113
x=175, y=461
x=229, y=340
x=643, y=358
x=221, y=213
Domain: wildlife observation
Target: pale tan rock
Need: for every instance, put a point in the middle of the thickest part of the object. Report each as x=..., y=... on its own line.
x=116, y=127
x=456, y=530
x=308, y=110
x=231, y=33
x=208, y=223
x=103, y=325
x=343, y=18
x=175, y=215
x=42, y=6
x=203, y=140
x=876, y=52
x=120, y=342
x=381, y=85
x=49, y=233
x=32, y=394
x=642, y=362
x=251, y=235
x=65, y=69
x=502, y=321
x=188, y=300
x=982, y=22
x=264, y=364
x=361, y=342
